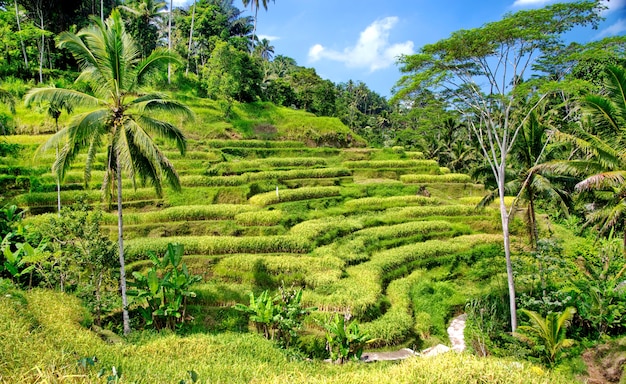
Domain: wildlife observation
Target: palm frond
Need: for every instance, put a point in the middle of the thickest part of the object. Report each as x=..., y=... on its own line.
x=158, y=103
x=157, y=58
x=602, y=180
x=164, y=130
x=575, y=168
x=80, y=134
x=7, y=98
x=603, y=113
x=59, y=96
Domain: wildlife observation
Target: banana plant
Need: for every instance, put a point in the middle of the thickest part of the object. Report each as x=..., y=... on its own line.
x=163, y=290
x=344, y=342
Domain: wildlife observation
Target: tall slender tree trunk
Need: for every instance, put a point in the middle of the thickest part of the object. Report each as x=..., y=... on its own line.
x=19, y=29
x=56, y=124
x=102, y=10
x=42, y=47
x=169, y=43
x=120, y=236
x=193, y=15
x=504, y=217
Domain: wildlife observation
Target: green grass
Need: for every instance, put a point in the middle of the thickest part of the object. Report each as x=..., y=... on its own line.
x=42, y=341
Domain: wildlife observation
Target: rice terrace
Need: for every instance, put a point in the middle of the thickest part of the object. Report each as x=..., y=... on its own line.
x=194, y=209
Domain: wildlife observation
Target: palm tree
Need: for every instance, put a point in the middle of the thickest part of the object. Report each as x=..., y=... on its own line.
x=265, y=50
x=602, y=149
x=144, y=25
x=54, y=110
x=121, y=119
x=254, y=4
x=550, y=332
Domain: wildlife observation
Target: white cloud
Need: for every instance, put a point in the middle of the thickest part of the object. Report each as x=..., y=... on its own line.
x=619, y=27
x=613, y=6
x=373, y=49
x=269, y=37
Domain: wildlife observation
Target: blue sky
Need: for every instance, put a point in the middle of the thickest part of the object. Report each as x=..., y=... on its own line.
x=360, y=40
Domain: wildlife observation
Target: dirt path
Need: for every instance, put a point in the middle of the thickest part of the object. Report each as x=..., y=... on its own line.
x=455, y=333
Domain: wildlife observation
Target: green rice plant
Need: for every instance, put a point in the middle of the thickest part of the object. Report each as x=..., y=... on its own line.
x=414, y=155
x=331, y=227
x=434, y=303
x=445, y=178
x=38, y=329
x=356, y=293
x=404, y=229
x=305, y=193
x=425, y=165
x=308, y=173
x=238, y=167
x=253, y=144
x=26, y=139
x=280, y=152
x=215, y=245
x=402, y=214
x=475, y=200
x=396, y=325
x=213, y=181
x=381, y=203
x=313, y=271
x=182, y=213
x=265, y=218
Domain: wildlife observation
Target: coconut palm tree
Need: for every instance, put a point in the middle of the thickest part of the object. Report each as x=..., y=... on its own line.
x=120, y=120
x=54, y=110
x=602, y=154
x=254, y=4
x=265, y=50
x=144, y=22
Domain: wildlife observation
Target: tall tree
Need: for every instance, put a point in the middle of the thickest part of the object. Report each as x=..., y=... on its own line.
x=143, y=22
x=265, y=50
x=121, y=118
x=601, y=149
x=483, y=68
x=254, y=4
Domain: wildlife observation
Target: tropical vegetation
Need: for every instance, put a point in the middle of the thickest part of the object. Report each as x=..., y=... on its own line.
x=252, y=221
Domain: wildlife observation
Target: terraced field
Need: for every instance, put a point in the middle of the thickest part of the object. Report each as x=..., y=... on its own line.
x=384, y=235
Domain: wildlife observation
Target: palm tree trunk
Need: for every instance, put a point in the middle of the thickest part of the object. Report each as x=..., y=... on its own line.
x=102, y=10
x=504, y=215
x=193, y=15
x=120, y=237
x=19, y=29
x=56, y=124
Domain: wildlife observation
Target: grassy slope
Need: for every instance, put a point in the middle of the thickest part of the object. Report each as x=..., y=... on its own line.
x=42, y=341
x=247, y=121
x=232, y=357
